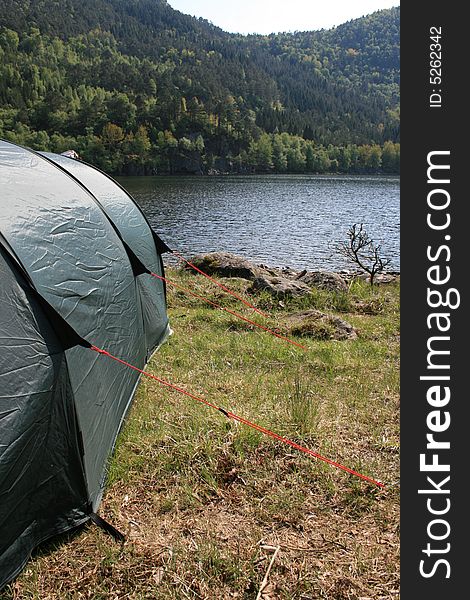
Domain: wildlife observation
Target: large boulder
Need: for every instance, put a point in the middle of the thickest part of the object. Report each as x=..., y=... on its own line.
x=313, y=323
x=325, y=280
x=224, y=264
x=279, y=287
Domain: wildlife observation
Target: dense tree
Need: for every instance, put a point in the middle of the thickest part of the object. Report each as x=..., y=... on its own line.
x=137, y=87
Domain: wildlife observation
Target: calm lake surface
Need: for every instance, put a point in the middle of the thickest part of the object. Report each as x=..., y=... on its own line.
x=279, y=220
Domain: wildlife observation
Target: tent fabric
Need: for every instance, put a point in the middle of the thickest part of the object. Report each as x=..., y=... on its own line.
x=65, y=234
x=134, y=231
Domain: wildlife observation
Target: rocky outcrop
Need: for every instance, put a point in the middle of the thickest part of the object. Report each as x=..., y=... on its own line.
x=280, y=282
x=225, y=264
x=325, y=280
x=280, y=287
x=313, y=323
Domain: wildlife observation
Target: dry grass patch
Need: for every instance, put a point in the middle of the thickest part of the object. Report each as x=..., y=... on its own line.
x=205, y=503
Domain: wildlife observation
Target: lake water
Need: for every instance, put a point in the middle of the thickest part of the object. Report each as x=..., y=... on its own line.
x=279, y=220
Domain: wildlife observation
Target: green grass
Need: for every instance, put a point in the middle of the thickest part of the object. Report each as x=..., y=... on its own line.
x=201, y=498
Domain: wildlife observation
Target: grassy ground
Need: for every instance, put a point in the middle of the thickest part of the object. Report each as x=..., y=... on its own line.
x=205, y=502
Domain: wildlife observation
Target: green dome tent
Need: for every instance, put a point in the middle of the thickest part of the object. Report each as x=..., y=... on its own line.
x=75, y=252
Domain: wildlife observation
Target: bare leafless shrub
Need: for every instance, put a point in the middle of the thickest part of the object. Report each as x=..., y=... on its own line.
x=363, y=251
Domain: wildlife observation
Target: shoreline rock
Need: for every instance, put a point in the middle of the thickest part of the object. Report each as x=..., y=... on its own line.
x=280, y=281
x=225, y=264
x=325, y=280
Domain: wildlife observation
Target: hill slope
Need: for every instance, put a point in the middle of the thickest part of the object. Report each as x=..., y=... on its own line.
x=136, y=86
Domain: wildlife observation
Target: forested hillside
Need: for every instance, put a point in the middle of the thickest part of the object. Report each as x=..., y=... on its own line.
x=137, y=87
